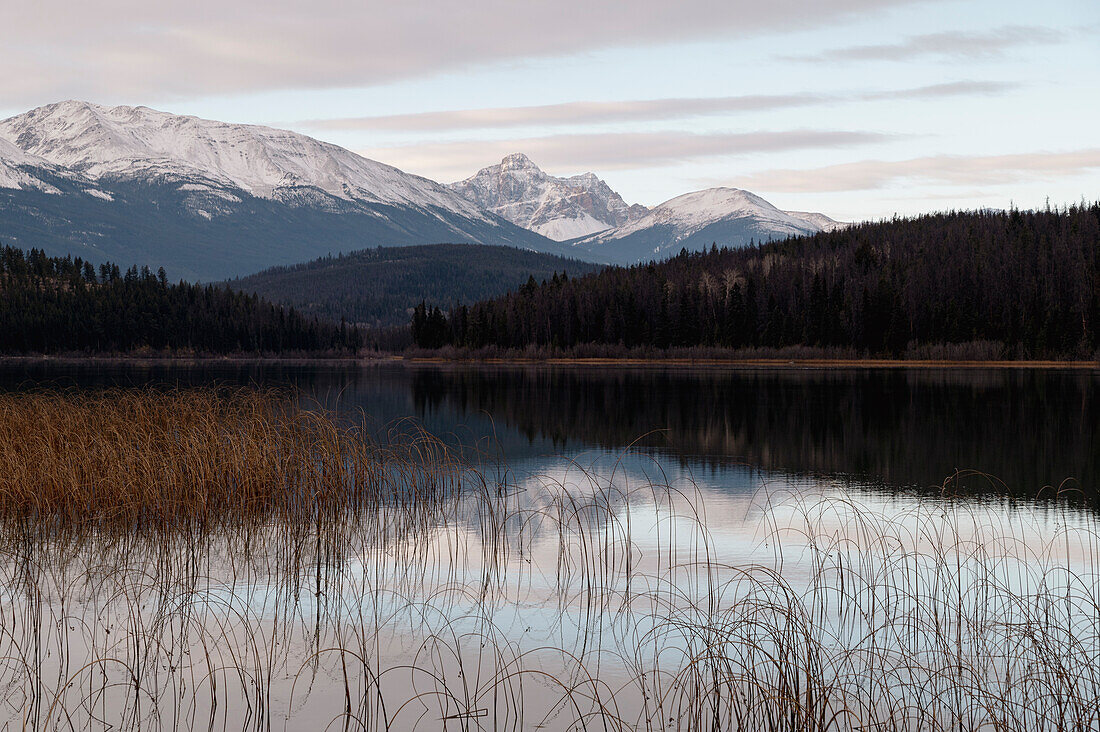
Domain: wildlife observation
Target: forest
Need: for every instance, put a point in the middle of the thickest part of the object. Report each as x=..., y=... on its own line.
x=1016, y=284
x=379, y=287
x=65, y=305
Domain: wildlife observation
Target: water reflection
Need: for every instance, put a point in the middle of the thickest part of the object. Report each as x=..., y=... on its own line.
x=743, y=567
x=897, y=428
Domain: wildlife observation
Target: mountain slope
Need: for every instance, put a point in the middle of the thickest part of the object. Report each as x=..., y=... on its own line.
x=558, y=208
x=22, y=171
x=381, y=286
x=725, y=216
x=820, y=220
x=210, y=200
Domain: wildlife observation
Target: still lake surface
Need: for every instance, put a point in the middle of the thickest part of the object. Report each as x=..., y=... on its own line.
x=647, y=512
x=884, y=430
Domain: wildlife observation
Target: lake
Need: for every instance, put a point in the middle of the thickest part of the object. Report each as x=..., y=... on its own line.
x=630, y=548
x=884, y=429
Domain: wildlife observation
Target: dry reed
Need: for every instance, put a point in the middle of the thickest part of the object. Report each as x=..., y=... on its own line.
x=148, y=457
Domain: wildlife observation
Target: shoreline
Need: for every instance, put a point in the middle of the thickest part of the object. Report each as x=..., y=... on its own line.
x=767, y=363
x=601, y=362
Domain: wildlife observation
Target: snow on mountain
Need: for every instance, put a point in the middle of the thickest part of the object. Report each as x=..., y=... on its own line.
x=693, y=211
x=725, y=216
x=17, y=169
x=820, y=220
x=210, y=200
x=135, y=142
x=558, y=208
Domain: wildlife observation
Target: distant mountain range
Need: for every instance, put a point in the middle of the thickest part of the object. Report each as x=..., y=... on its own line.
x=211, y=200
x=597, y=224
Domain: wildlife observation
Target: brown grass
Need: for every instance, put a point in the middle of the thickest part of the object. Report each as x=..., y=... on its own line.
x=147, y=457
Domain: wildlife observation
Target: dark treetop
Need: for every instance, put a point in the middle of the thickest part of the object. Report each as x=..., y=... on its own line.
x=1018, y=284
x=54, y=305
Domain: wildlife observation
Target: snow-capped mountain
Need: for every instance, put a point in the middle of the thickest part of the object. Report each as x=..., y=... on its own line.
x=210, y=199
x=820, y=220
x=723, y=216
x=128, y=142
x=558, y=208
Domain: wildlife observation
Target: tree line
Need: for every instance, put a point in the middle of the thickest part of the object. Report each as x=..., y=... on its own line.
x=55, y=305
x=1021, y=281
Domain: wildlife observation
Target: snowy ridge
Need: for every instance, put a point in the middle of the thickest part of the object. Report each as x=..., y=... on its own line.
x=820, y=220
x=14, y=173
x=692, y=212
x=559, y=208
x=137, y=142
x=723, y=216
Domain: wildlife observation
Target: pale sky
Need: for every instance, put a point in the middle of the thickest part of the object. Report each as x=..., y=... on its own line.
x=856, y=108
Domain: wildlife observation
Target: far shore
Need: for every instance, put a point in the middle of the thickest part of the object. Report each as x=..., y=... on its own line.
x=758, y=363
x=767, y=363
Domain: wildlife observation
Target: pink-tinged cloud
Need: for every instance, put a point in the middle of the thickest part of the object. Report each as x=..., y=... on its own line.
x=643, y=110
x=51, y=49
x=946, y=45
x=979, y=170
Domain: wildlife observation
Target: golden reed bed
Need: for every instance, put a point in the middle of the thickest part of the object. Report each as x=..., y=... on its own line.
x=148, y=457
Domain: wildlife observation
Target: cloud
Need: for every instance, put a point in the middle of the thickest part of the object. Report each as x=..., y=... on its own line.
x=645, y=110
x=609, y=151
x=569, y=113
x=981, y=170
x=51, y=49
x=943, y=91
x=948, y=45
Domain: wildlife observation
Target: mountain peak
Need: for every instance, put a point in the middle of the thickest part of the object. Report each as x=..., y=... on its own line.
x=558, y=208
x=518, y=160
x=65, y=106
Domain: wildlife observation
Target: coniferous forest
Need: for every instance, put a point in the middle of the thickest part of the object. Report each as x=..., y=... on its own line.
x=57, y=305
x=378, y=287
x=1017, y=284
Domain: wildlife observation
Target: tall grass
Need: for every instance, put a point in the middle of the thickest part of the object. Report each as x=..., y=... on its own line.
x=154, y=458
x=232, y=560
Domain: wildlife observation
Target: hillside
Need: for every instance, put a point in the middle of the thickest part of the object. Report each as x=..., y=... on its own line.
x=380, y=286
x=61, y=305
x=1010, y=284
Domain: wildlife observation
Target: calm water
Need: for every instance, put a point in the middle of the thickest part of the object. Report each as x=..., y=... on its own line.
x=884, y=429
x=654, y=529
